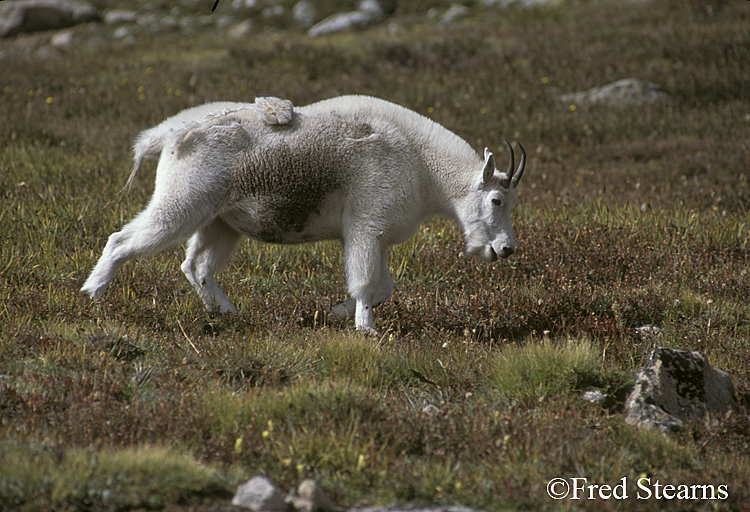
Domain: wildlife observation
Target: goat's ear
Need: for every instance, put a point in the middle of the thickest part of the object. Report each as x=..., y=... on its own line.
x=489, y=166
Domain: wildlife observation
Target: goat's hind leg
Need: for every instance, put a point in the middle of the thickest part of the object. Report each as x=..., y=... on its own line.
x=208, y=252
x=147, y=234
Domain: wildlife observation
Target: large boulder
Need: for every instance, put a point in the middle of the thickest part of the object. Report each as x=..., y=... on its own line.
x=19, y=16
x=675, y=387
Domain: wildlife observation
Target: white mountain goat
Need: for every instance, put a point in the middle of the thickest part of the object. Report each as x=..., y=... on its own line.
x=355, y=169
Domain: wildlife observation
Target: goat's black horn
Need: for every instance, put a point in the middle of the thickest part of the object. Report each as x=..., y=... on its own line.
x=521, y=166
x=511, y=165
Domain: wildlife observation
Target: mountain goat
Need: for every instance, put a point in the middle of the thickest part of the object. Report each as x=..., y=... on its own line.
x=355, y=169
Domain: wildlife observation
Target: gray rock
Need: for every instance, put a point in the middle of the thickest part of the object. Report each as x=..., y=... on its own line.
x=20, y=16
x=260, y=495
x=274, y=11
x=676, y=387
x=646, y=331
x=355, y=20
x=244, y=4
x=434, y=508
x=169, y=21
x=454, y=13
x=241, y=30
x=120, y=16
x=430, y=410
x=62, y=39
x=623, y=93
x=123, y=33
x=304, y=13
x=518, y=3
x=594, y=396
x=372, y=6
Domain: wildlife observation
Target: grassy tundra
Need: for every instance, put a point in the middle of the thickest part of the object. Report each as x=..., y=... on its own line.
x=624, y=218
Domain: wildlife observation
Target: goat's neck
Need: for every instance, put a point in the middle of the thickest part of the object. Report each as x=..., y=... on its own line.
x=450, y=180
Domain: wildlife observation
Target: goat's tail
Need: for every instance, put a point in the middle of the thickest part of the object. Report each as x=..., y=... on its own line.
x=148, y=144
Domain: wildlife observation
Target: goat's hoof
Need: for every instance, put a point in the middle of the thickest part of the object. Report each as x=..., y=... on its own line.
x=94, y=292
x=220, y=309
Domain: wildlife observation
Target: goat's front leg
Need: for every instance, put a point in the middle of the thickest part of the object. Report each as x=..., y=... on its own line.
x=367, y=277
x=346, y=310
x=363, y=319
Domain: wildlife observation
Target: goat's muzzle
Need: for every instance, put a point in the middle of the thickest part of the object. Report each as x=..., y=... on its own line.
x=505, y=252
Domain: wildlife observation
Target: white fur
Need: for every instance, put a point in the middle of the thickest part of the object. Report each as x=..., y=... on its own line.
x=356, y=169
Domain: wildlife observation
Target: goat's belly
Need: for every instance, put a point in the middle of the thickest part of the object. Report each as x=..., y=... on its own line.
x=279, y=221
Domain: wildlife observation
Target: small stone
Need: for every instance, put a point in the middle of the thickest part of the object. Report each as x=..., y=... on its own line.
x=430, y=410
x=304, y=13
x=519, y=3
x=244, y=4
x=122, y=33
x=241, y=30
x=594, y=396
x=311, y=498
x=424, y=508
x=454, y=13
x=275, y=11
x=120, y=16
x=169, y=21
x=62, y=39
x=372, y=6
x=649, y=330
x=260, y=495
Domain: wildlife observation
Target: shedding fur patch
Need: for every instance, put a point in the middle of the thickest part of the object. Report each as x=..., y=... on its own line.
x=274, y=110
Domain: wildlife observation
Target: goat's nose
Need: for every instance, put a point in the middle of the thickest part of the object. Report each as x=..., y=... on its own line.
x=506, y=251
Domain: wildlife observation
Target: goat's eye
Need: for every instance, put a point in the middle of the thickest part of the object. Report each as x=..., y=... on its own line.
x=497, y=202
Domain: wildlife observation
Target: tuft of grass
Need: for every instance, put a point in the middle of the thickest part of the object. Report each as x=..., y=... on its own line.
x=537, y=370
x=145, y=475
x=260, y=361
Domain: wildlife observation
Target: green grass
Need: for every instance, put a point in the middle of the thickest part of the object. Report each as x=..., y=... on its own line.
x=536, y=371
x=471, y=393
x=151, y=476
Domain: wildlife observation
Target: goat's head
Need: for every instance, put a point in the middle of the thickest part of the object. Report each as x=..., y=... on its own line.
x=486, y=218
